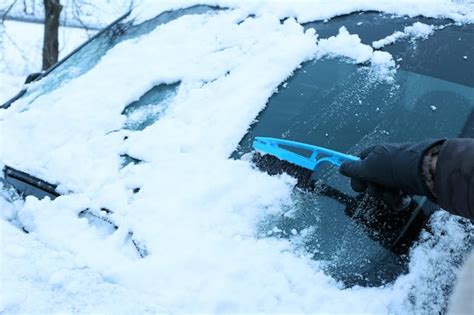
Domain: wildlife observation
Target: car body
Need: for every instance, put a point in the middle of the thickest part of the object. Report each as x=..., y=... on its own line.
x=331, y=101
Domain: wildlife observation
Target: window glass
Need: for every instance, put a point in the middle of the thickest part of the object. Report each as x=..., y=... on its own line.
x=442, y=55
x=149, y=107
x=337, y=105
x=89, y=55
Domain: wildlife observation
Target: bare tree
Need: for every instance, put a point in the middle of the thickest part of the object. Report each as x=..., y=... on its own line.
x=52, y=12
x=7, y=10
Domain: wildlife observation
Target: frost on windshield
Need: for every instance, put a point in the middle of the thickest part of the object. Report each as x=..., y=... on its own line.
x=148, y=109
x=335, y=105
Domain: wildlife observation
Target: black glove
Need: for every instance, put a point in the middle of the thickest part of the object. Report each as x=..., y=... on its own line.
x=391, y=171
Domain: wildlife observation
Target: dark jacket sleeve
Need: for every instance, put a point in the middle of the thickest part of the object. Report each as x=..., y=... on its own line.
x=454, y=178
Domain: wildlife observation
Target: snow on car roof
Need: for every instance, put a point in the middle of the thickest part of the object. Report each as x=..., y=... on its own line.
x=196, y=209
x=313, y=10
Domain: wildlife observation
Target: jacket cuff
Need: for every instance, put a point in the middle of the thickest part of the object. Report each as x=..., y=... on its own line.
x=424, y=163
x=454, y=181
x=427, y=169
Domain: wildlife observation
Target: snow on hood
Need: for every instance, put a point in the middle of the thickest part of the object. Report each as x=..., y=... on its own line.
x=196, y=209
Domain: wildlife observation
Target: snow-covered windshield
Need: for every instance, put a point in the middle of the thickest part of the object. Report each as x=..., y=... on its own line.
x=150, y=126
x=331, y=103
x=88, y=55
x=342, y=106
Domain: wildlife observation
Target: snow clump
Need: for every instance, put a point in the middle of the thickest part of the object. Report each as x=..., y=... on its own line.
x=416, y=31
x=350, y=46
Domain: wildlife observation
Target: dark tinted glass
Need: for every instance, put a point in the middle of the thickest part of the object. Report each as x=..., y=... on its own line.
x=335, y=104
x=441, y=56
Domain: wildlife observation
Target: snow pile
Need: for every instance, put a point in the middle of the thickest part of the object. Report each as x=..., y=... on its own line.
x=432, y=270
x=237, y=50
x=37, y=279
x=347, y=45
x=350, y=46
x=195, y=209
x=416, y=31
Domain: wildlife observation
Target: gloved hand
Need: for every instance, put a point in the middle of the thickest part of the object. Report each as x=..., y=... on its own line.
x=391, y=171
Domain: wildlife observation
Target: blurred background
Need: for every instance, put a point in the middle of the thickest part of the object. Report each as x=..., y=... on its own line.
x=35, y=33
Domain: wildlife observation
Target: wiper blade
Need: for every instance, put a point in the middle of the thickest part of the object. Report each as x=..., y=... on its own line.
x=28, y=185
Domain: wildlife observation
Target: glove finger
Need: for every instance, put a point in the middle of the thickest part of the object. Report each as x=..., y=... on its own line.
x=404, y=146
x=353, y=169
x=396, y=199
x=375, y=190
x=364, y=153
x=358, y=185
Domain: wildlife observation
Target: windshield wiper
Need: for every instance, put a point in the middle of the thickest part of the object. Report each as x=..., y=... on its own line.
x=28, y=185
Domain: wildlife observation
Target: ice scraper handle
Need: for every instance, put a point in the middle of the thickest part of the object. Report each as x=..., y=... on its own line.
x=285, y=150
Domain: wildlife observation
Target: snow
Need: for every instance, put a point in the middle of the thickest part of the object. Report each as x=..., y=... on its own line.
x=20, y=52
x=345, y=44
x=389, y=39
x=350, y=46
x=37, y=279
x=312, y=10
x=11, y=85
x=196, y=210
x=419, y=30
x=416, y=31
x=93, y=14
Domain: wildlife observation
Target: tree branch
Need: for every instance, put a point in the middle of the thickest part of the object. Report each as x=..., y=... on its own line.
x=4, y=16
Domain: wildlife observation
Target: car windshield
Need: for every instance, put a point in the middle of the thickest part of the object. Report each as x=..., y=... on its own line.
x=335, y=104
x=87, y=56
x=339, y=105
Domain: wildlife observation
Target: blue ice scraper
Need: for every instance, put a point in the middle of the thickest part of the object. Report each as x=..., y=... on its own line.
x=306, y=165
x=281, y=149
